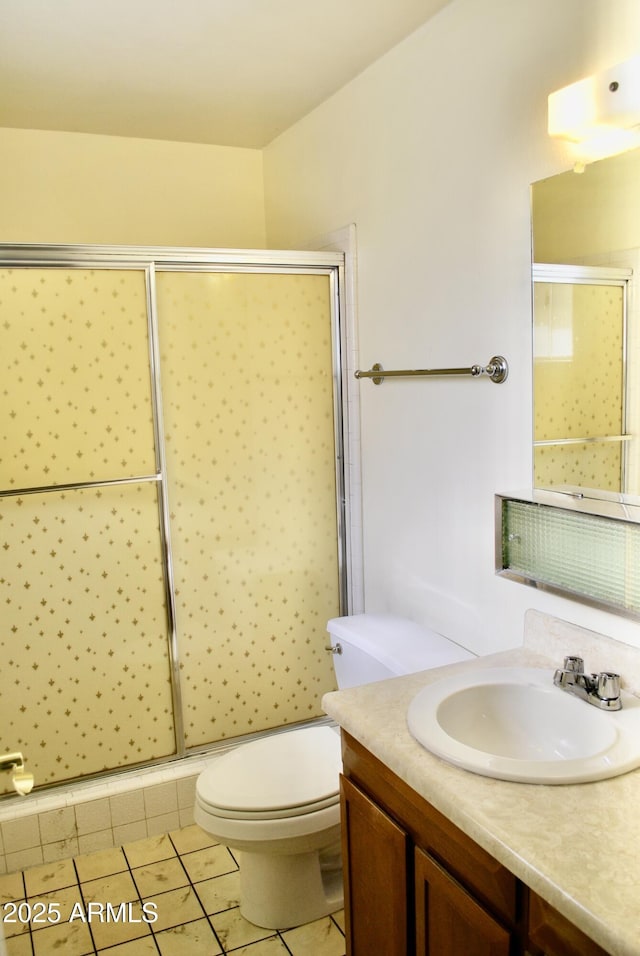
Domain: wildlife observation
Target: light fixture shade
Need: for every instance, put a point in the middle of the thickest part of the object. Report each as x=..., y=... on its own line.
x=598, y=105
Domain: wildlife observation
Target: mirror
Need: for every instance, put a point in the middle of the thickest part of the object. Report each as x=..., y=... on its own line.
x=586, y=329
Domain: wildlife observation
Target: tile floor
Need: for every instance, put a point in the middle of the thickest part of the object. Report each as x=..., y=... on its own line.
x=192, y=884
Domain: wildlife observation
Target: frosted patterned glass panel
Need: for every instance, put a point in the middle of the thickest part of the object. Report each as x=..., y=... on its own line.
x=76, y=391
x=85, y=674
x=246, y=365
x=578, y=383
x=585, y=465
x=584, y=554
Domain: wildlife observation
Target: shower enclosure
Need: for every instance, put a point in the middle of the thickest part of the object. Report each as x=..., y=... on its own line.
x=172, y=528
x=585, y=380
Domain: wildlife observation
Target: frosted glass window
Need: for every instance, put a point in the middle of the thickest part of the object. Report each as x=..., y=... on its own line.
x=587, y=555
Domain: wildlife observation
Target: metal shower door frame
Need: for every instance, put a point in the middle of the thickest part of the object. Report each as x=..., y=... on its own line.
x=152, y=259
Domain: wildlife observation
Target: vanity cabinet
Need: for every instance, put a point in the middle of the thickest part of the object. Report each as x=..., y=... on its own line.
x=415, y=884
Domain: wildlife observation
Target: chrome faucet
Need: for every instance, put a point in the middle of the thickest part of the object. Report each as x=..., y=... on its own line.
x=602, y=690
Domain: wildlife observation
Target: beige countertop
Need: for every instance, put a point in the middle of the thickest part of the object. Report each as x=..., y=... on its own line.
x=577, y=846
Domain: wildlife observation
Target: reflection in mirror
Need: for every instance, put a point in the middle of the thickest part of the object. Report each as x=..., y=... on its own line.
x=586, y=246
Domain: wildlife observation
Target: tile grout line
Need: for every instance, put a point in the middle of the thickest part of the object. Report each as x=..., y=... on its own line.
x=192, y=884
x=84, y=903
x=131, y=868
x=284, y=942
x=207, y=916
x=24, y=887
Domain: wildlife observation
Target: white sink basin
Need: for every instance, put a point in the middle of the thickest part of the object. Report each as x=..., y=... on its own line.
x=514, y=724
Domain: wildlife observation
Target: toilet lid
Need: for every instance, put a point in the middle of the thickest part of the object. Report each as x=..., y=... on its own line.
x=296, y=771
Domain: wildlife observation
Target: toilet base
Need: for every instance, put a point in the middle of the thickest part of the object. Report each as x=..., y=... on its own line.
x=281, y=891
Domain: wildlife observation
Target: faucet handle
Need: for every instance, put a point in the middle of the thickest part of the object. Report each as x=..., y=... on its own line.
x=574, y=665
x=608, y=685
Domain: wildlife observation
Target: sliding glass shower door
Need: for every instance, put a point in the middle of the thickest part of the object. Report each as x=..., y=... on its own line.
x=170, y=485
x=85, y=667
x=581, y=422
x=248, y=393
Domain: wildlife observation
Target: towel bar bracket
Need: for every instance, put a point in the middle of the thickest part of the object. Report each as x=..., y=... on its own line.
x=497, y=370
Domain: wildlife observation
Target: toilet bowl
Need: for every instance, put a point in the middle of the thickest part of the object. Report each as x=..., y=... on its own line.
x=275, y=801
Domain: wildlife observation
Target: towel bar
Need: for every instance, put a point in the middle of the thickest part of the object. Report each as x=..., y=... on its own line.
x=497, y=370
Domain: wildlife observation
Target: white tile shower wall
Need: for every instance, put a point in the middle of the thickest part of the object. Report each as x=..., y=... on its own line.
x=97, y=816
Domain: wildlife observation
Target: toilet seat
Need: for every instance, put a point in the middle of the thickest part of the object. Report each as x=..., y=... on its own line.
x=281, y=814
x=277, y=777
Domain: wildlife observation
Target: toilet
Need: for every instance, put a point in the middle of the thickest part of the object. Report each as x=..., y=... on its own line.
x=275, y=801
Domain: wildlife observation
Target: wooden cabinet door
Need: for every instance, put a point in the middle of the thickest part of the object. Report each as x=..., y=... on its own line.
x=376, y=856
x=448, y=920
x=553, y=935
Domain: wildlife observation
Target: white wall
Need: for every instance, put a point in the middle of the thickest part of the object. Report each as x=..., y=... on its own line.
x=431, y=152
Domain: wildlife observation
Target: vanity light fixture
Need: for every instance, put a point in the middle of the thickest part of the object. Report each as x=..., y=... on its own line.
x=600, y=113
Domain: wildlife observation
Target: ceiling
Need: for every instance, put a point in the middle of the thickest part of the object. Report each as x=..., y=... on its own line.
x=227, y=72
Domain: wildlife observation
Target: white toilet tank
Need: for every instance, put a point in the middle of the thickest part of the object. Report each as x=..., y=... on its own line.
x=371, y=647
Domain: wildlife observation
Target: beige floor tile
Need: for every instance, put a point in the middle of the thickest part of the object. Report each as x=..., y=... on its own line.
x=233, y=930
x=19, y=946
x=150, y=850
x=159, y=877
x=13, y=922
x=196, y=939
x=191, y=838
x=58, y=901
x=72, y=939
x=339, y=918
x=144, y=946
x=267, y=947
x=90, y=866
x=212, y=861
x=220, y=893
x=11, y=887
x=322, y=938
x=50, y=876
x=115, y=889
x=174, y=907
x=130, y=925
